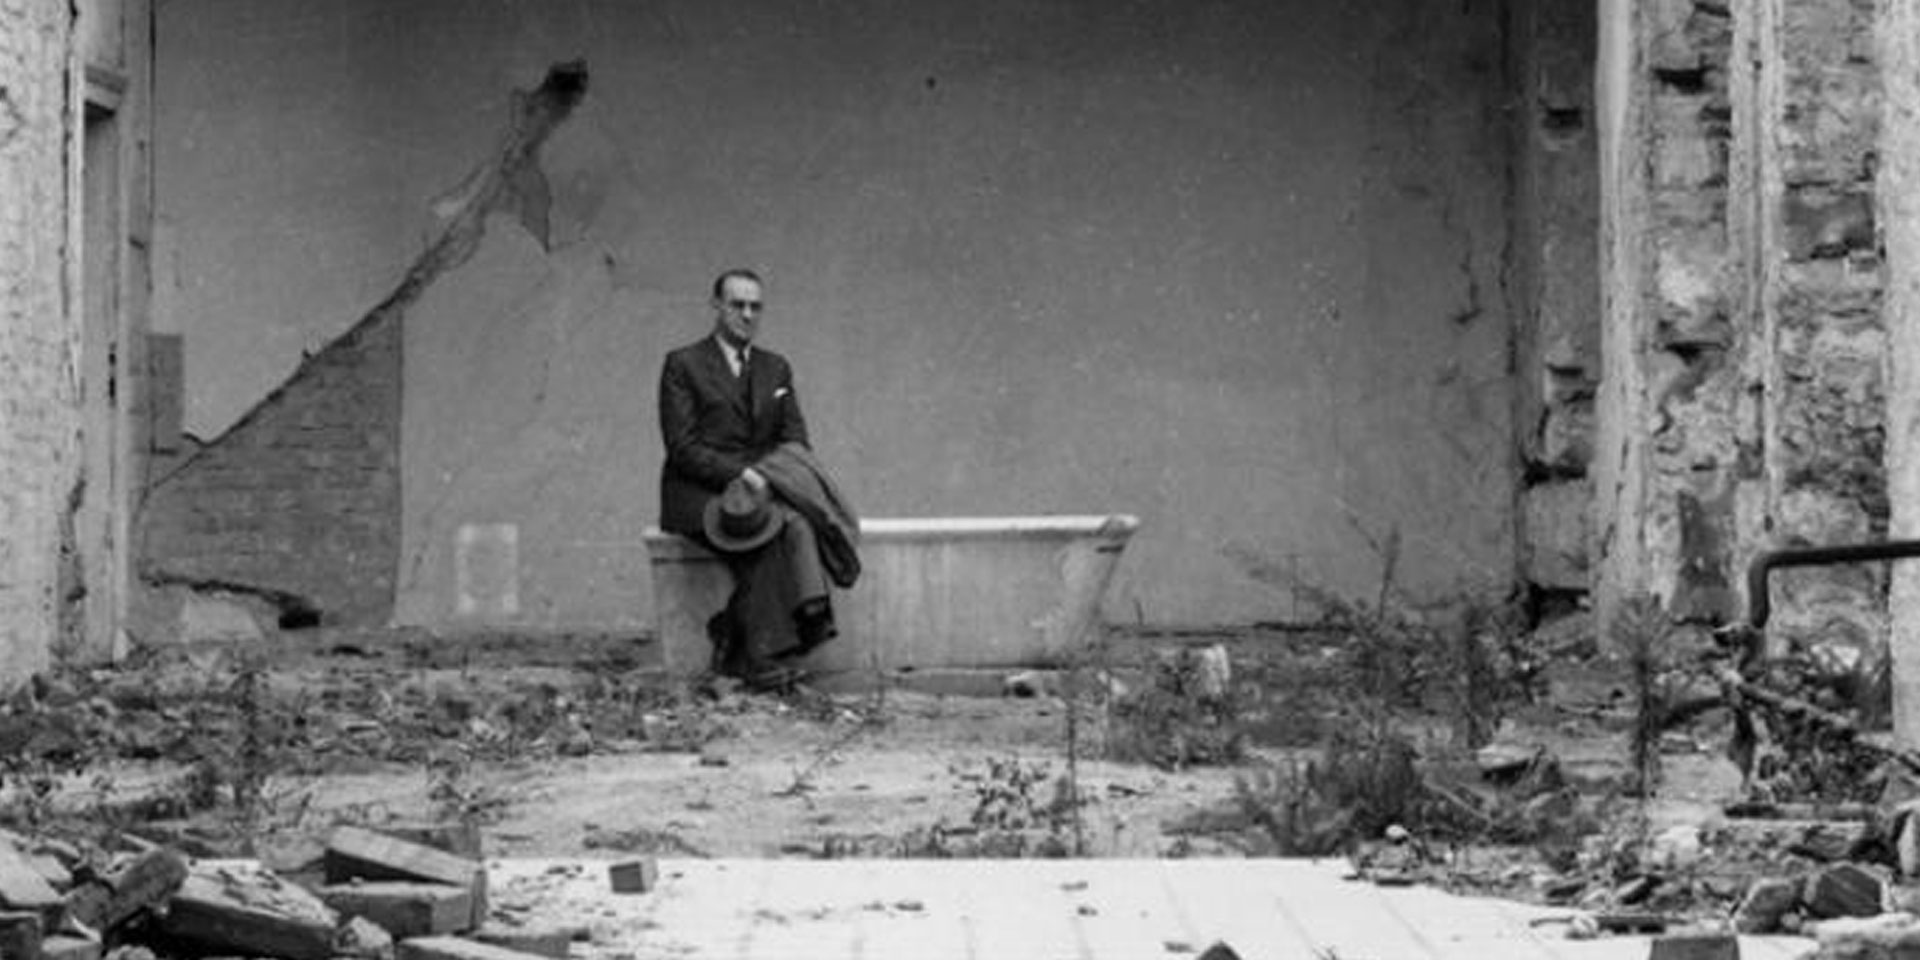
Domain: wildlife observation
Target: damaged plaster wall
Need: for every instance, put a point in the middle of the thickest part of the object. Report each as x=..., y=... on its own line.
x=39, y=401
x=1233, y=268
x=299, y=502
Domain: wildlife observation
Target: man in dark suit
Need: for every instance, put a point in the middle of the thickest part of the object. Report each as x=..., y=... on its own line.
x=725, y=403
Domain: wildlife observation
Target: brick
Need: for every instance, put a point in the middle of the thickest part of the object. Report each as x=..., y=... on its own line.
x=354, y=852
x=1695, y=946
x=23, y=888
x=457, y=948
x=20, y=935
x=544, y=941
x=247, y=911
x=1766, y=902
x=405, y=909
x=634, y=876
x=63, y=947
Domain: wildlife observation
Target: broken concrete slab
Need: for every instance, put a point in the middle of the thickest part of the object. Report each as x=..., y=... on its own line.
x=23, y=888
x=358, y=853
x=405, y=908
x=1695, y=946
x=1766, y=902
x=144, y=882
x=460, y=838
x=1845, y=890
x=457, y=948
x=236, y=907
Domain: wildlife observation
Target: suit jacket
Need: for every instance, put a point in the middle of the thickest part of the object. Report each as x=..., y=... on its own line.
x=714, y=429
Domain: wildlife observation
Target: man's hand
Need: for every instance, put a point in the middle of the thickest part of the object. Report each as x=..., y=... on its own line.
x=754, y=480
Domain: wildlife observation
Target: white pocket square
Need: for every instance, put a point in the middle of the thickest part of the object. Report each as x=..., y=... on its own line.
x=783, y=391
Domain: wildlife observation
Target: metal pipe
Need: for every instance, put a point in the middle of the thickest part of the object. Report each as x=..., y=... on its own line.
x=1759, y=605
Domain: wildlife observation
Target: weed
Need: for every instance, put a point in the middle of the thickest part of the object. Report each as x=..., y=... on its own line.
x=1186, y=713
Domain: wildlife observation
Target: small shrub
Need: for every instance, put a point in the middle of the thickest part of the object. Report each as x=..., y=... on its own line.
x=1183, y=715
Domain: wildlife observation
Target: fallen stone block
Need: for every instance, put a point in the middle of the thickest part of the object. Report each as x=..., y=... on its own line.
x=134, y=884
x=20, y=935
x=405, y=908
x=1766, y=902
x=240, y=909
x=1844, y=890
x=634, y=876
x=362, y=939
x=1695, y=946
x=144, y=882
x=22, y=888
x=63, y=947
x=544, y=941
x=457, y=948
x=460, y=838
x=356, y=853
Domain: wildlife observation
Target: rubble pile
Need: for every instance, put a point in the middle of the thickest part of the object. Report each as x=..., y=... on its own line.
x=404, y=892
x=227, y=716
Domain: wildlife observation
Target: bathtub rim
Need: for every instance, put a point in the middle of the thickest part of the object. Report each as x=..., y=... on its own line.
x=1062, y=527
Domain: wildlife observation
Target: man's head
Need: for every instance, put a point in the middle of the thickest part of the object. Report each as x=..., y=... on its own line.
x=736, y=306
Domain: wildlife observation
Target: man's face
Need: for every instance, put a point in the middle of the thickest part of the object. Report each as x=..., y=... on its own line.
x=738, y=310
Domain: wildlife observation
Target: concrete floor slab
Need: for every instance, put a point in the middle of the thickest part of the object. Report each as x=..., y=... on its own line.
x=1048, y=909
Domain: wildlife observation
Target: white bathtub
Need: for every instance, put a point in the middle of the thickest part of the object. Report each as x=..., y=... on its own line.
x=934, y=593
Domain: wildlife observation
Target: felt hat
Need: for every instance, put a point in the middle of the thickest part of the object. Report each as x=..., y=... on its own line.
x=741, y=518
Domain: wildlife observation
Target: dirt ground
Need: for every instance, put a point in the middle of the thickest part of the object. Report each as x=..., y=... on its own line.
x=568, y=746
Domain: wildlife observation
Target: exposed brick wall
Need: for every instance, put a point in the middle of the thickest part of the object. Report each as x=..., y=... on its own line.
x=39, y=414
x=302, y=496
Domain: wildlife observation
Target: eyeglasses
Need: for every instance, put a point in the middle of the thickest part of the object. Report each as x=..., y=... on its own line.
x=745, y=306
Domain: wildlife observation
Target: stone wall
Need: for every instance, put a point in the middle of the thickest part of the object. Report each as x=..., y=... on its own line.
x=39, y=415
x=1822, y=281
x=1745, y=404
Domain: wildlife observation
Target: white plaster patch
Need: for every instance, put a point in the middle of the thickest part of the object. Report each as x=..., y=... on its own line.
x=486, y=570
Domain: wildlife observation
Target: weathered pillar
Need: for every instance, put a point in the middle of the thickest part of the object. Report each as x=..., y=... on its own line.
x=1899, y=207
x=1815, y=118
x=39, y=414
x=1668, y=468
x=1555, y=280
